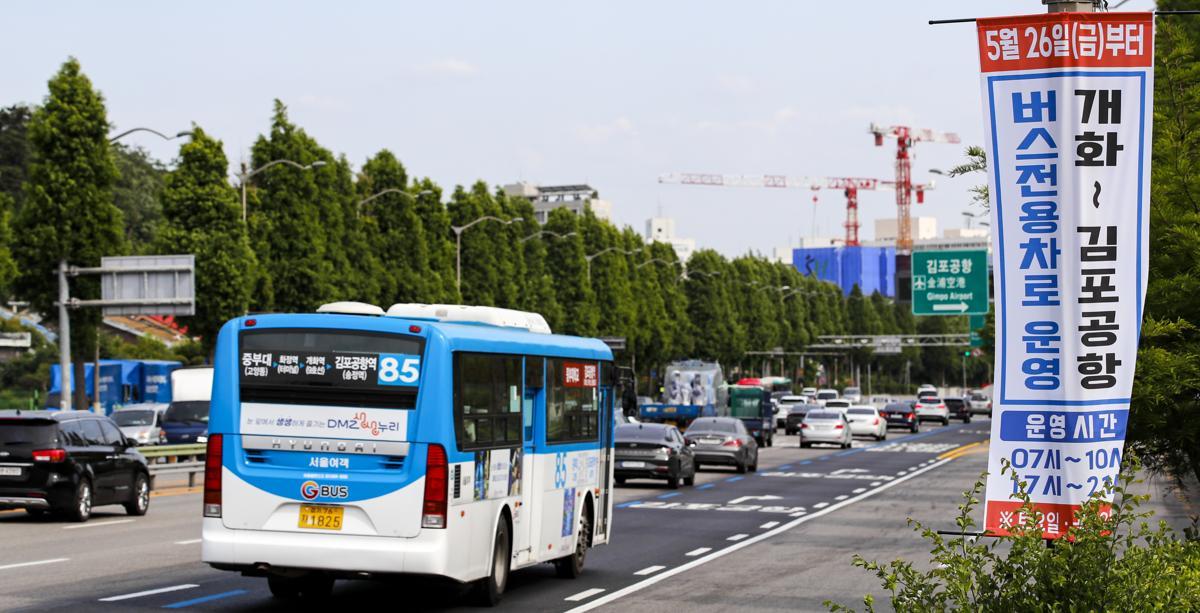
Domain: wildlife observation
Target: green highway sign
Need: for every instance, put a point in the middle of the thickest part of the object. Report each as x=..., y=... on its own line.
x=975, y=322
x=950, y=282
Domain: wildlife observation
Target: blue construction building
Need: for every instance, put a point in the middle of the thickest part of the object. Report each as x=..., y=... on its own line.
x=873, y=269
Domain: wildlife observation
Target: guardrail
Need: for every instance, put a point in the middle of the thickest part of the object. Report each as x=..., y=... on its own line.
x=175, y=459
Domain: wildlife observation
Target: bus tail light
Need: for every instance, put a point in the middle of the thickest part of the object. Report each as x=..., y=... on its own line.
x=433, y=512
x=212, y=477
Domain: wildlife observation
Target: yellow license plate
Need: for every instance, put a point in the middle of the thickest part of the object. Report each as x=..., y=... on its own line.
x=321, y=517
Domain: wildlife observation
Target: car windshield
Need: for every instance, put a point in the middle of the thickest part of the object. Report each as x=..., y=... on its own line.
x=978, y=397
x=822, y=415
x=134, y=418
x=826, y=395
x=641, y=433
x=714, y=426
x=791, y=400
x=851, y=391
x=23, y=433
x=897, y=408
x=861, y=411
x=929, y=400
x=188, y=411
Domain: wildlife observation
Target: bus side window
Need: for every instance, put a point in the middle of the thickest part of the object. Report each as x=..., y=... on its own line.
x=487, y=400
x=535, y=380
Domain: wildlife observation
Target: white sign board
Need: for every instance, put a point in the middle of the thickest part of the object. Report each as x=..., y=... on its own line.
x=148, y=285
x=1067, y=106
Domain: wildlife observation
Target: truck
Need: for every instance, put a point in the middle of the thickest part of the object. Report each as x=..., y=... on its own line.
x=121, y=382
x=186, y=419
x=752, y=404
x=693, y=389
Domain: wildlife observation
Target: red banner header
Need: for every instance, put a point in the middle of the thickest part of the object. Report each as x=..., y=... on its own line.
x=1066, y=40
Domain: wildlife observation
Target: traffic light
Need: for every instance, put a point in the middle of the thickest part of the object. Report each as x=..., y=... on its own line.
x=966, y=354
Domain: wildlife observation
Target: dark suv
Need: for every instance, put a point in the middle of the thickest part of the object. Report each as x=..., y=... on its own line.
x=960, y=408
x=66, y=462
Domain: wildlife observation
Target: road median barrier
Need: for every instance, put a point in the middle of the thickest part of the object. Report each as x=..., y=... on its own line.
x=175, y=460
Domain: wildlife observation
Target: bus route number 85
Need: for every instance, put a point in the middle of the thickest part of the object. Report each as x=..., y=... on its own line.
x=396, y=369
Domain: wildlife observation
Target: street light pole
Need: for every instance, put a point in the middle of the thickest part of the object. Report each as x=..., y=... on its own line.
x=390, y=190
x=550, y=232
x=458, y=232
x=245, y=176
x=113, y=139
x=588, y=259
x=64, y=339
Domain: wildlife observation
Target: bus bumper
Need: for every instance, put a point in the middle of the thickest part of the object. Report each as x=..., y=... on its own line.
x=260, y=552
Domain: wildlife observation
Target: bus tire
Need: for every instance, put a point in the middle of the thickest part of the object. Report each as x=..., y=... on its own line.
x=284, y=588
x=571, y=566
x=317, y=587
x=490, y=589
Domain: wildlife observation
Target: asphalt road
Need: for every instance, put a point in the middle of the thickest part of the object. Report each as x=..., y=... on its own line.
x=661, y=538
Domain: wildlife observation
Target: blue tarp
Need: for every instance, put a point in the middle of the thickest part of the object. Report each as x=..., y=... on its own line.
x=871, y=268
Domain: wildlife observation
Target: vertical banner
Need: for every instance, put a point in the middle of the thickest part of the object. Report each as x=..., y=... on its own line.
x=1067, y=104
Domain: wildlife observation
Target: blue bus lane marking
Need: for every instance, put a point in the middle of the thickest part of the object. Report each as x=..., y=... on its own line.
x=203, y=599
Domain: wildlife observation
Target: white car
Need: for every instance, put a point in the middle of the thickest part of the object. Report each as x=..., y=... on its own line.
x=865, y=420
x=826, y=395
x=838, y=404
x=825, y=427
x=809, y=391
x=980, y=403
x=931, y=408
x=142, y=422
x=853, y=394
x=785, y=406
x=926, y=388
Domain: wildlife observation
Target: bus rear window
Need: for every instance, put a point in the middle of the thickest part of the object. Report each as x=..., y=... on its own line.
x=330, y=367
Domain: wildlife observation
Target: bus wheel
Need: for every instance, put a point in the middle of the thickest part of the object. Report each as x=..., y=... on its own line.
x=317, y=587
x=571, y=566
x=491, y=588
x=285, y=588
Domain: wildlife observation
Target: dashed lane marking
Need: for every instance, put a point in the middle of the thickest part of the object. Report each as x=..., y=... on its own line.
x=37, y=563
x=98, y=524
x=188, y=542
x=769, y=525
x=860, y=490
x=649, y=570
x=669, y=495
x=820, y=505
x=695, y=552
x=798, y=514
x=705, y=486
x=737, y=537
x=841, y=497
x=584, y=595
x=875, y=484
x=161, y=590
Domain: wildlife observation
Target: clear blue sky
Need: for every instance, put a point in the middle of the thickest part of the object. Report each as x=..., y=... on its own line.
x=609, y=93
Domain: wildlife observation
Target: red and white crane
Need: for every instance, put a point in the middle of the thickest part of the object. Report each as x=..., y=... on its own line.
x=906, y=137
x=850, y=186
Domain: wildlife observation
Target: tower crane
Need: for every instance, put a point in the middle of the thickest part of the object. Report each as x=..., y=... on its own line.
x=906, y=137
x=849, y=186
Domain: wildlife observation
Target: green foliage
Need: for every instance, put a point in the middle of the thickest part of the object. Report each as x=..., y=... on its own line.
x=1116, y=562
x=8, y=266
x=14, y=150
x=137, y=194
x=68, y=213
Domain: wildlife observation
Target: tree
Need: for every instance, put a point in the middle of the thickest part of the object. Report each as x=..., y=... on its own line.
x=68, y=212
x=8, y=266
x=202, y=216
x=137, y=194
x=718, y=333
x=391, y=224
x=14, y=151
x=564, y=258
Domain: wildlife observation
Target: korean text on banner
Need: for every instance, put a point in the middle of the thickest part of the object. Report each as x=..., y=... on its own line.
x=1067, y=104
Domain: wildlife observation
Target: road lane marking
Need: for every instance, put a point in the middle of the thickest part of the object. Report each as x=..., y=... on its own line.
x=210, y=598
x=188, y=542
x=784, y=467
x=669, y=495
x=903, y=472
x=737, y=537
x=860, y=490
x=695, y=552
x=161, y=590
x=649, y=570
x=98, y=524
x=647, y=582
x=841, y=497
x=584, y=595
x=820, y=505
x=798, y=514
x=769, y=525
x=628, y=504
x=705, y=486
x=37, y=563
x=875, y=484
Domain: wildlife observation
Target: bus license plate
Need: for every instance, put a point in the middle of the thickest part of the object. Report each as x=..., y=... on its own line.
x=321, y=517
x=10, y=471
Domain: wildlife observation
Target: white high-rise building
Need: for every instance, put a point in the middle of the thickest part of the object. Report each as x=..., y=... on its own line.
x=888, y=229
x=662, y=230
x=546, y=198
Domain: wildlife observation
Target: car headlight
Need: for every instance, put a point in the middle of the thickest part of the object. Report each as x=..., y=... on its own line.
x=202, y=438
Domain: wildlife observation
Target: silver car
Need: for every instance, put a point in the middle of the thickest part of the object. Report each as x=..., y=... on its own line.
x=142, y=422
x=825, y=427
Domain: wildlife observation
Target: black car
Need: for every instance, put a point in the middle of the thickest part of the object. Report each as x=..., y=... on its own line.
x=960, y=408
x=796, y=417
x=66, y=462
x=901, y=415
x=723, y=440
x=653, y=451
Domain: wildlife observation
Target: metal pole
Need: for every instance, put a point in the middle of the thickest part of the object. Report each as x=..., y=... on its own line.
x=96, y=378
x=964, y=373
x=458, y=262
x=64, y=339
x=243, y=199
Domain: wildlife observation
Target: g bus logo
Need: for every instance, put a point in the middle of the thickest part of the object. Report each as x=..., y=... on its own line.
x=311, y=490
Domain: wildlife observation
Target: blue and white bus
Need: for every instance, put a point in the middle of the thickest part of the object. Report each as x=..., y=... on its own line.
x=439, y=440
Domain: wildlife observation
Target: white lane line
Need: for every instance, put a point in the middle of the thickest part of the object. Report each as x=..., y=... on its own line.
x=98, y=524
x=38, y=563
x=649, y=570
x=769, y=525
x=860, y=490
x=189, y=542
x=695, y=552
x=875, y=484
x=903, y=472
x=584, y=595
x=161, y=590
x=683, y=568
x=820, y=505
x=737, y=537
x=798, y=514
x=841, y=497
